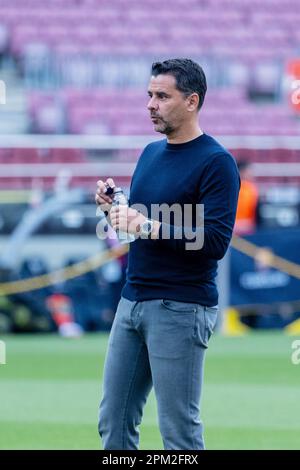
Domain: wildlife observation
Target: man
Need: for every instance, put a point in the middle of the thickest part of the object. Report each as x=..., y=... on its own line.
x=168, y=307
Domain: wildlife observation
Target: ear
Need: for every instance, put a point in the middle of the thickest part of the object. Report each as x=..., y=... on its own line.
x=193, y=101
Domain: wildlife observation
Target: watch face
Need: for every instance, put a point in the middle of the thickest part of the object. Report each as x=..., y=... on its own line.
x=146, y=228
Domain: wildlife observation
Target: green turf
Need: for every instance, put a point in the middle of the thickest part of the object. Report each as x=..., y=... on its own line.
x=50, y=388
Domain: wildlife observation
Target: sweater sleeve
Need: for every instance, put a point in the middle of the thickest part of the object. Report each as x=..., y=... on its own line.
x=218, y=193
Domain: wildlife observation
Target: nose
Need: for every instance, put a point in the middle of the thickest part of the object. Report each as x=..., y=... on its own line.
x=152, y=104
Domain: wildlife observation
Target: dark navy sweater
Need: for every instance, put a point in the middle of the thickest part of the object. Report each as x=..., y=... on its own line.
x=200, y=171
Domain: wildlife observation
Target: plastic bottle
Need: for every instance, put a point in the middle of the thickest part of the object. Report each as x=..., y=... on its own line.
x=119, y=198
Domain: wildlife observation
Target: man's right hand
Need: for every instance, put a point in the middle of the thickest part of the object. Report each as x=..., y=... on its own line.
x=104, y=200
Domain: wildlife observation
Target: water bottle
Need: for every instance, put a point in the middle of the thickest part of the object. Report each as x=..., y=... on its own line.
x=119, y=198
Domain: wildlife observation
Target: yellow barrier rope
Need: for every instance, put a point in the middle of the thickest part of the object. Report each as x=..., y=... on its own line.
x=242, y=245
x=38, y=282
x=264, y=254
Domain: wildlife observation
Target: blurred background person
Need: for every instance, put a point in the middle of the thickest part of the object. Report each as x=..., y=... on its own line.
x=247, y=211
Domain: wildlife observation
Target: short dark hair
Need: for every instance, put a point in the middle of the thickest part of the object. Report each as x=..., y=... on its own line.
x=189, y=76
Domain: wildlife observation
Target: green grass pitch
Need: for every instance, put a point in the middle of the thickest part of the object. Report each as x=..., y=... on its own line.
x=50, y=389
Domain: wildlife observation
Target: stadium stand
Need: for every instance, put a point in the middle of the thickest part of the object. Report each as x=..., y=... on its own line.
x=80, y=69
x=93, y=46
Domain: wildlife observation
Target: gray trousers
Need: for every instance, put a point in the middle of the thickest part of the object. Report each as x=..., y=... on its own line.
x=159, y=343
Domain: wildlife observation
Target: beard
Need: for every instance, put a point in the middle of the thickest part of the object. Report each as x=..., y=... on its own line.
x=164, y=127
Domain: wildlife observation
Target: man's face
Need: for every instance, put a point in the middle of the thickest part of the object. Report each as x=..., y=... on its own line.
x=167, y=105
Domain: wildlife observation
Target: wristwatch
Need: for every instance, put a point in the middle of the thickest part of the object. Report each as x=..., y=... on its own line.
x=146, y=228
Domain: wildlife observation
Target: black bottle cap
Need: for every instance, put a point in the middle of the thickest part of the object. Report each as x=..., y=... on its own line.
x=109, y=191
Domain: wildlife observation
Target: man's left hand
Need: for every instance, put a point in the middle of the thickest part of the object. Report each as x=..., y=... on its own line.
x=126, y=219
